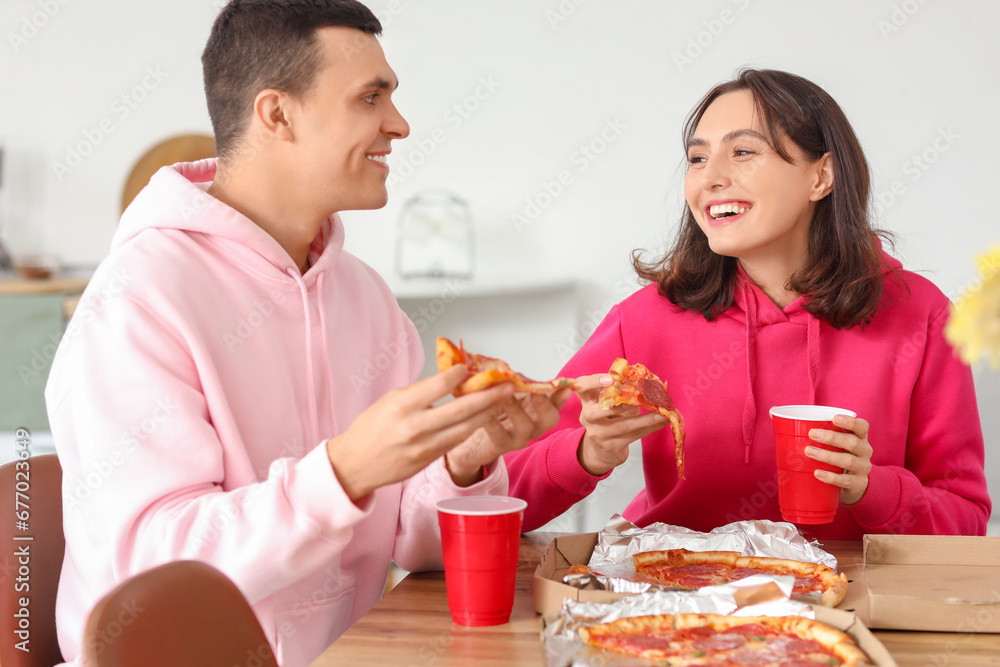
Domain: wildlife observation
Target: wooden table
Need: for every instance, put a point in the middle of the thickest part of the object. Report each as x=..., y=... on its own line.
x=71, y=287
x=45, y=286
x=411, y=626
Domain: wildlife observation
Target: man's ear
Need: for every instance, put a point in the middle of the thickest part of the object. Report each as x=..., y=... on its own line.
x=270, y=109
x=824, y=178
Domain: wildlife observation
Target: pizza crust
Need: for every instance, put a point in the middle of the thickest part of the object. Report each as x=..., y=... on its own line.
x=678, y=557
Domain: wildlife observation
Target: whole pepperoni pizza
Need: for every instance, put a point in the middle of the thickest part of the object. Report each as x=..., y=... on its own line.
x=681, y=640
x=689, y=570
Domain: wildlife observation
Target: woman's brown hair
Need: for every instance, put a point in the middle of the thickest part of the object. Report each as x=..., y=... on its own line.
x=843, y=282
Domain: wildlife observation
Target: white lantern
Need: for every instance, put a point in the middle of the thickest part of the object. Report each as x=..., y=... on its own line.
x=434, y=237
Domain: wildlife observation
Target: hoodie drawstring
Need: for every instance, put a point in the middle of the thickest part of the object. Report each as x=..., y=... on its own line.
x=310, y=376
x=310, y=373
x=750, y=406
x=747, y=299
x=812, y=343
x=326, y=351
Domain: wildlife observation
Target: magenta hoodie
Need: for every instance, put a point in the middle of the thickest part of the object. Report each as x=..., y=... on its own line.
x=189, y=403
x=898, y=373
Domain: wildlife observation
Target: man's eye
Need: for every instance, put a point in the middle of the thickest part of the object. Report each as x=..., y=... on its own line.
x=742, y=152
x=369, y=99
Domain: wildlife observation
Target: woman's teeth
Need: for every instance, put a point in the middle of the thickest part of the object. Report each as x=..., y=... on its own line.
x=724, y=210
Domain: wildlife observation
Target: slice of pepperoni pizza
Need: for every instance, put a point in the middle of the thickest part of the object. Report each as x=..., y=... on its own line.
x=689, y=570
x=713, y=639
x=637, y=385
x=486, y=371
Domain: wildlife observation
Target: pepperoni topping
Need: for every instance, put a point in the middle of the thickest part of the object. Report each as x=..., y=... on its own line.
x=696, y=632
x=793, y=645
x=810, y=583
x=754, y=658
x=640, y=643
x=749, y=629
x=654, y=393
x=698, y=569
x=720, y=642
x=744, y=572
x=694, y=575
x=802, y=584
x=797, y=662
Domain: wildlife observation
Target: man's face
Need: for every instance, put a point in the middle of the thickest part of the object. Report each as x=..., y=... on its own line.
x=346, y=123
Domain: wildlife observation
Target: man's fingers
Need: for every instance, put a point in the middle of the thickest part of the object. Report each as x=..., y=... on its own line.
x=524, y=417
x=422, y=394
x=450, y=437
x=545, y=413
x=560, y=397
x=464, y=407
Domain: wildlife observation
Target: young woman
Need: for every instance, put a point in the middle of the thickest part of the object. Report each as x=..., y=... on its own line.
x=776, y=292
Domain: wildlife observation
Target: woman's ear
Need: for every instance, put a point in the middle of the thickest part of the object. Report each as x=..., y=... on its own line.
x=824, y=177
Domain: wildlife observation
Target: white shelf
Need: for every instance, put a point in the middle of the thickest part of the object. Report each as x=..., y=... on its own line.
x=478, y=286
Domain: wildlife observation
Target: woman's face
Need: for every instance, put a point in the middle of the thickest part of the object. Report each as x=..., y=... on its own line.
x=749, y=202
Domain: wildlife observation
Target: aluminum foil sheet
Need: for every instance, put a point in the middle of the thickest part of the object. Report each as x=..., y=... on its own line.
x=564, y=648
x=620, y=540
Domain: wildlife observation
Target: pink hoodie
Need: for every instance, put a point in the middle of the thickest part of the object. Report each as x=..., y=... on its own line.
x=898, y=373
x=189, y=402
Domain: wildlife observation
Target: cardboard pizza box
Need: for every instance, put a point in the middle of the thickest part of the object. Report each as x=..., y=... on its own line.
x=856, y=630
x=562, y=552
x=939, y=583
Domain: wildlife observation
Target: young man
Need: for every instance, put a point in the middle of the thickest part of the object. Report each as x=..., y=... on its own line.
x=214, y=396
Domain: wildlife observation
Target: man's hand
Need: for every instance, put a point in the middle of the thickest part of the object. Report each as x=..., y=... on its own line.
x=513, y=424
x=609, y=432
x=402, y=432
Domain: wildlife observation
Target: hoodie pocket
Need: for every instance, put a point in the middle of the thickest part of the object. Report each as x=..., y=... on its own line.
x=306, y=629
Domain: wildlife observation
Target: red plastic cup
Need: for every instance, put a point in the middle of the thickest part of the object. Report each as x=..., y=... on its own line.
x=801, y=497
x=480, y=540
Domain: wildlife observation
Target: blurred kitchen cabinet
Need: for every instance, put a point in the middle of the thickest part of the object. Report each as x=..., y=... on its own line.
x=33, y=316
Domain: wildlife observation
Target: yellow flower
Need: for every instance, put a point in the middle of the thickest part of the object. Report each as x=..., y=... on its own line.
x=974, y=325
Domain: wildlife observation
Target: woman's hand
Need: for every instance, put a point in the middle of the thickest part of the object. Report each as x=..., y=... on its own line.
x=856, y=459
x=609, y=432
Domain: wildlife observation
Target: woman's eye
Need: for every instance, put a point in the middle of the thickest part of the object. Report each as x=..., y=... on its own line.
x=696, y=159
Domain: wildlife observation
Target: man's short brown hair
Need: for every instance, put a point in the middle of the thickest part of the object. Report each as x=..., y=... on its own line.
x=261, y=44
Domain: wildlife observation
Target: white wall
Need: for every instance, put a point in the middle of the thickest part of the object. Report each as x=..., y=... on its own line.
x=556, y=73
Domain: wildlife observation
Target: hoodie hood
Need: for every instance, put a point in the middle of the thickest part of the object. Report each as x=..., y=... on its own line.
x=177, y=199
x=756, y=310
